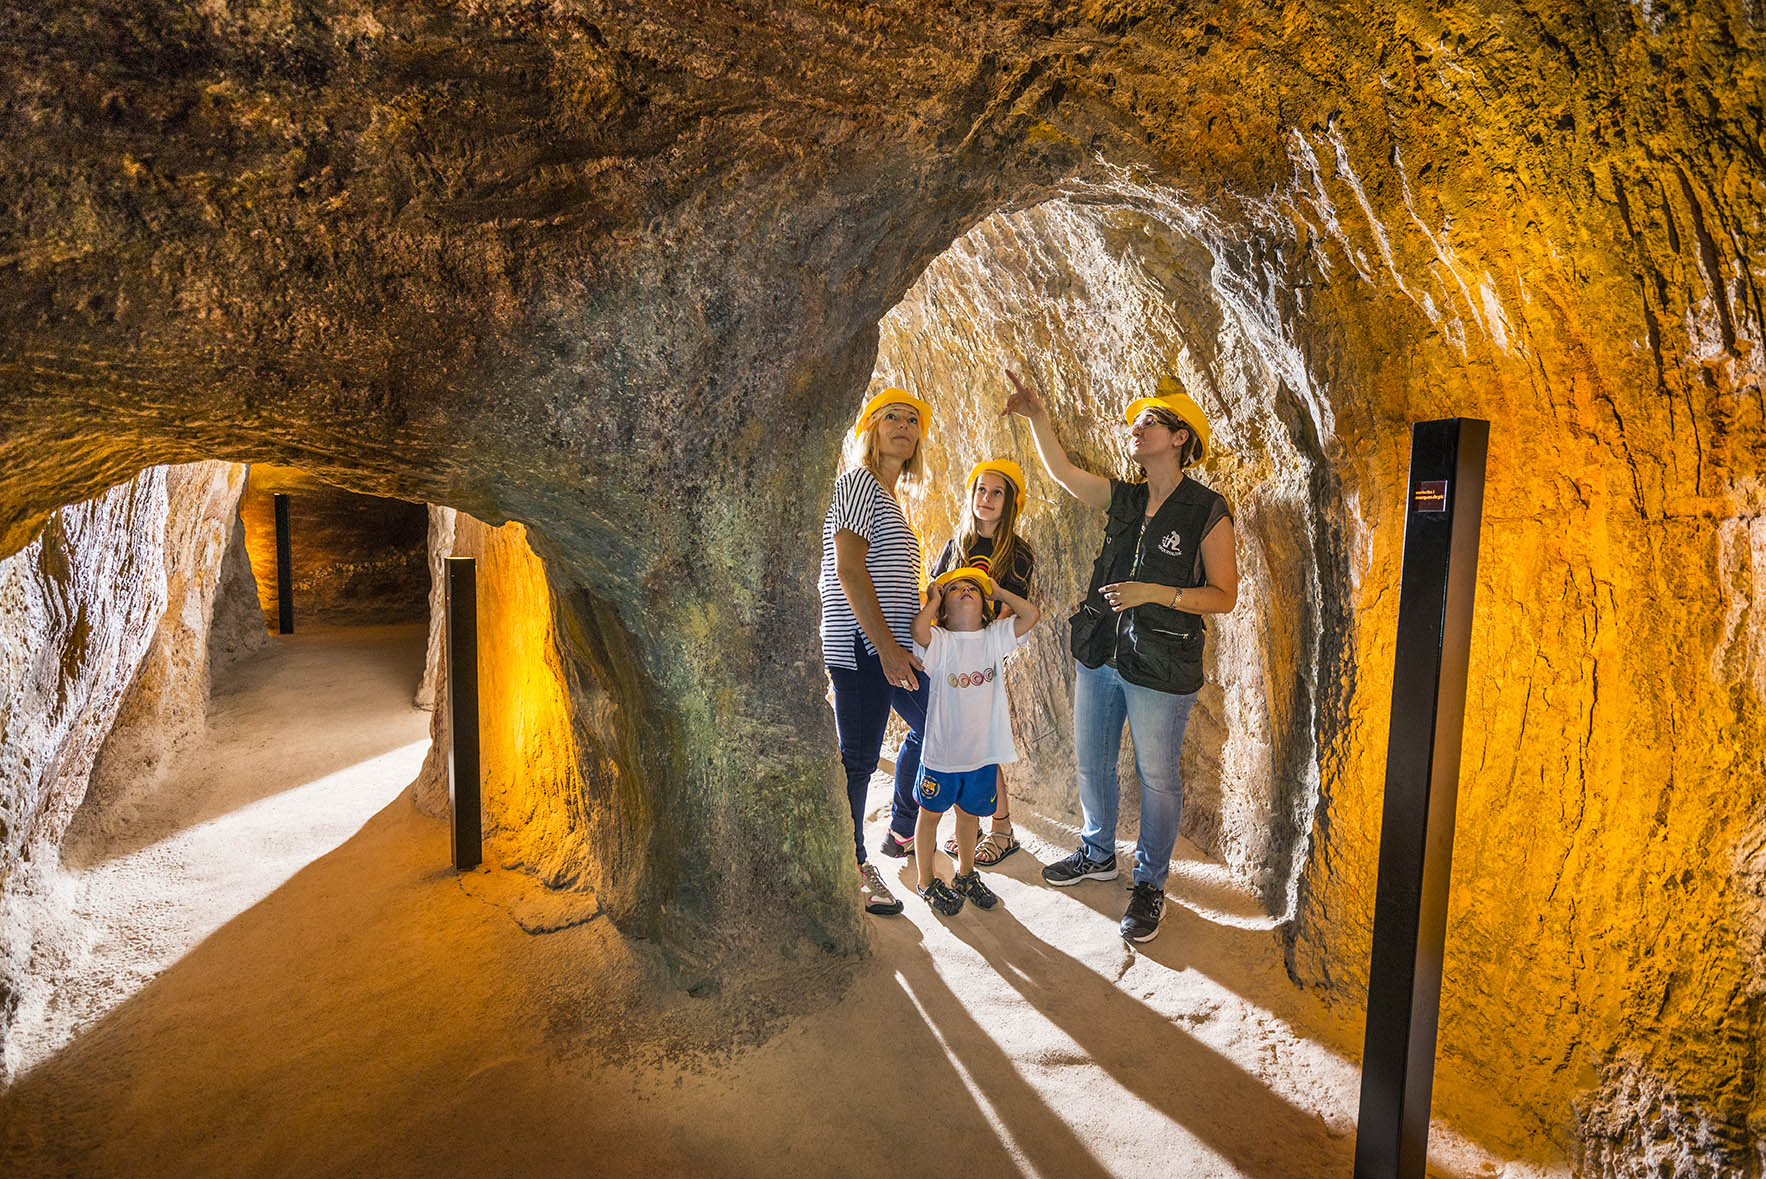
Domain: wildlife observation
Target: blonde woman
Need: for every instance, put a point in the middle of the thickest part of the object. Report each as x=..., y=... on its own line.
x=870, y=588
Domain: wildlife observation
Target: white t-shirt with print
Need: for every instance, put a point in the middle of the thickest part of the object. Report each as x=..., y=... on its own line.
x=968, y=723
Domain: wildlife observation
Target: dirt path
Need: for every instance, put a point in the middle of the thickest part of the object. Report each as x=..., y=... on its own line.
x=286, y=980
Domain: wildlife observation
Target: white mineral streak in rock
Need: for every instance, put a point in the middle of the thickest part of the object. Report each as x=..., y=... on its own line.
x=1346, y=173
x=1319, y=200
x=441, y=546
x=1445, y=254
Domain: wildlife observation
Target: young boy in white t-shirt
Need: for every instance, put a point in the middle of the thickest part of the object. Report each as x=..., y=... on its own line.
x=968, y=733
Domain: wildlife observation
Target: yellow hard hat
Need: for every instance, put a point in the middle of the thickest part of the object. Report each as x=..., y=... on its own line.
x=967, y=573
x=894, y=396
x=1014, y=474
x=1170, y=397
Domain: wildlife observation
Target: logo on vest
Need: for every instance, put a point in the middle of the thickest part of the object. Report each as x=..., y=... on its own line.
x=1172, y=545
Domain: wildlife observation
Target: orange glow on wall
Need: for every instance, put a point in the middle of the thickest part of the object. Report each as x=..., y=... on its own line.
x=535, y=812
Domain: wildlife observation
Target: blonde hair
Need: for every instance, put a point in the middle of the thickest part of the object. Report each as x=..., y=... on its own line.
x=1005, y=534
x=864, y=452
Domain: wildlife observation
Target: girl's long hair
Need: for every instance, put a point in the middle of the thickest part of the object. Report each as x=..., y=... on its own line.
x=1005, y=535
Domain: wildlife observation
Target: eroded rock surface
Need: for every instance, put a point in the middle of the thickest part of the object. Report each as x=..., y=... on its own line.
x=1093, y=299
x=167, y=700
x=618, y=277
x=78, y=609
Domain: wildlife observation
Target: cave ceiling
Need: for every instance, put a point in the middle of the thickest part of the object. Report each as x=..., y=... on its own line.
x=515, y=256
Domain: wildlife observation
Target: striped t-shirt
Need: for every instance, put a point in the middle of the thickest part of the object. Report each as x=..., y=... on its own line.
x=862, y=507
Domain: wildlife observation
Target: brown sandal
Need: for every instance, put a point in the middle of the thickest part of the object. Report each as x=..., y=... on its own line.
x=994, y=847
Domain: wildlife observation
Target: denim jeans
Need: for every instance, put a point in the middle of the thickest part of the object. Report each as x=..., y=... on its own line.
x=862, y=700
x=1102, y=700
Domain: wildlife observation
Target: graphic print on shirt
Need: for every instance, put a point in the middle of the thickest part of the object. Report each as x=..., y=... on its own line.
x=968, y=719
x=1172, y=544
x=972, y=679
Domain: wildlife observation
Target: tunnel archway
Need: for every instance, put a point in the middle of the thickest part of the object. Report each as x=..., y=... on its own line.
x=1094, y=295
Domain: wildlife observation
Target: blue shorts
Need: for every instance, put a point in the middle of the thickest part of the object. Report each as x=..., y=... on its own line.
x=971, y=791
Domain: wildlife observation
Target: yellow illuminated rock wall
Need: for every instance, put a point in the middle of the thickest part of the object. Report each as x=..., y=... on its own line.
x=1606, y=928
x=535, y=802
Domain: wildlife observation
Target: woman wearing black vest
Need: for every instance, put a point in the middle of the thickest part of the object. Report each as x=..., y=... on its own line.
x=1167, y=560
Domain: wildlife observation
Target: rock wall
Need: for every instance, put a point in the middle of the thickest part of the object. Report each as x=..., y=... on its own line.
x=78, y=609
x=166, y=704
x=110, y=624
x=1092, y=298
x=619, y=277
x=440, y=545
x=564, y=758
x=81, y=604
x=236, y=625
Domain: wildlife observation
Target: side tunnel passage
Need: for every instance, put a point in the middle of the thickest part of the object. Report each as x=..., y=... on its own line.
x=563, y=769
x=168, y=762
x=357, y=559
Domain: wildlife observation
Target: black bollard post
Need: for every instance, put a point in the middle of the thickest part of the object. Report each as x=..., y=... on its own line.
x=460, y=613
x=1436, y=587
x=284, y=569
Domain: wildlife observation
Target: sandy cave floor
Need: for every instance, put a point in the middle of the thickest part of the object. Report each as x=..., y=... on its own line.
x=280, y=976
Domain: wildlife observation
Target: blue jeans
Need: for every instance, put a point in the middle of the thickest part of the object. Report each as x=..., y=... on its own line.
x=1102, y=700
x=862, y=700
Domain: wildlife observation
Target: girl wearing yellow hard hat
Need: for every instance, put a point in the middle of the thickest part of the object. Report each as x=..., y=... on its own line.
x=989, y=541
x=1167, y=562
x=870, y=589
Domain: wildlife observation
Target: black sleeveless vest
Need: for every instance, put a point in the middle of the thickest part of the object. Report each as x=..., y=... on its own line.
x=1153, y=646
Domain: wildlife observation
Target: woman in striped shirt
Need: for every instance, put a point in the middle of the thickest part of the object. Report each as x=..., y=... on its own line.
x=870, y=587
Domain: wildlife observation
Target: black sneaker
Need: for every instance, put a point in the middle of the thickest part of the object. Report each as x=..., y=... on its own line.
x=970, y=886
x=938, y=894
x=1080, y=866
x=897, y=849
x=1145, y=908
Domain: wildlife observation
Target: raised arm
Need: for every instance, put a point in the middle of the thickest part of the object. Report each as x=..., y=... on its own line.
x=1092, y=490
x=928, y=613
x=861, y=595
x=1024, y=615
